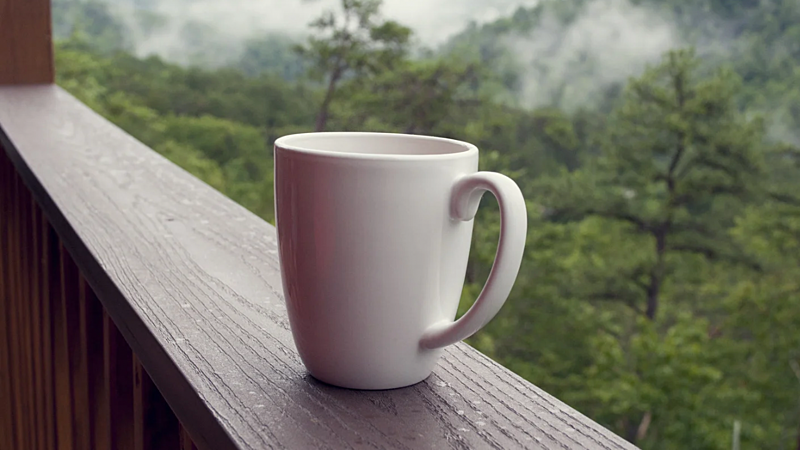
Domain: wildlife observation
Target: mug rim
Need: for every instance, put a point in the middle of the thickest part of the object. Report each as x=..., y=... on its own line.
x=284, y=143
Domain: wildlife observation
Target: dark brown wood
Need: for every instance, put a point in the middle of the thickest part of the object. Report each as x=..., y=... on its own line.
x=34, y=278
x=186, y=440
x=37, y=279
x=142, y=385
x=155, y=426
x=23, y=308
x=50, y=276
x=79, y=377
x=24, y=272
x=192, y=282
x=91, y=329
x=15, y=323
x=118, y=377
x=7, y=432
x=61, y=360
x=26, y=46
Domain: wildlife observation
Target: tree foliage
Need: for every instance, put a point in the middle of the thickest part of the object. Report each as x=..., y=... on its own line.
x=352, y=44
x=659, y=292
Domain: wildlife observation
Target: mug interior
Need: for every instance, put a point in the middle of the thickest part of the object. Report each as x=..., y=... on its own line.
x=388, y=144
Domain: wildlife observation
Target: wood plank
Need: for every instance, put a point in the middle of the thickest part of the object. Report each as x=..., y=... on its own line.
x=24, y=263
x=72, y=295
x=49, y=260
x=142, y=385
x=192, y=281
x=15, y=325
x=7, y=439
x=26, y=43
x=186, y=440
x=118, y=386
x=155, y=426
x=34, y=277
x=66, y=288
x=91, y=341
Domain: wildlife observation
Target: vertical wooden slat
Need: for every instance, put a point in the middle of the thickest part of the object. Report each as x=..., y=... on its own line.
x=51, y=275
x=26, y=47
x=35, y=324
x=186, y=440
x=118, y=375
x=12, y=247
x=142, y=385
x=91, y=326
x=77, y=364
x=25, y=258
x=83, y=417
x=67, y=287
x=155, y=426
x=7, y=439
x=25, y=247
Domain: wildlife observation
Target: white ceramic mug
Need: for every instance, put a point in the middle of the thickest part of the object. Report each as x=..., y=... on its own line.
x=374, y=233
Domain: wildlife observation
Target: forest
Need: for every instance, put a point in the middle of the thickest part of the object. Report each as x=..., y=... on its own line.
x=660, y=288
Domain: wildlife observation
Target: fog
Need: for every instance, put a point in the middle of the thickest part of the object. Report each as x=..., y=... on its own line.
x=610, y=41
x=569, y=65
x=226, y=24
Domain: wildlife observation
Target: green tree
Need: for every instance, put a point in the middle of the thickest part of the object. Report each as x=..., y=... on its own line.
x=762, y=324
x=416, y=97
x=628, y=258
x=677, y=159
x=351, y=45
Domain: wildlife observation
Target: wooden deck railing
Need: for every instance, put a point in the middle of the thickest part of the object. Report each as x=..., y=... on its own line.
x=68, y=379
x=139, y=306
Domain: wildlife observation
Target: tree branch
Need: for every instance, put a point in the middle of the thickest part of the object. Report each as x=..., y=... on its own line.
x=784, y=198
x=705, y=251
x=625, y=217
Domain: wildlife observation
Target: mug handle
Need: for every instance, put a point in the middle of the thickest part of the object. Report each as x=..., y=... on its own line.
x=464, y=201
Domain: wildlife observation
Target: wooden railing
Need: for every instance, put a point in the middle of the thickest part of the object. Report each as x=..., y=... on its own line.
x=139, y=307
x=68, y=379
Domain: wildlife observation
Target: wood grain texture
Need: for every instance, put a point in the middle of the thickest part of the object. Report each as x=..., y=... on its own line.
x=26, y=44
x=192, y=281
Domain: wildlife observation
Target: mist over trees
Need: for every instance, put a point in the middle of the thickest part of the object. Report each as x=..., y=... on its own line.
x=657, y=143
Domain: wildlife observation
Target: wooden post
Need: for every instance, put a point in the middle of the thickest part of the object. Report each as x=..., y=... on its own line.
x=26, y=42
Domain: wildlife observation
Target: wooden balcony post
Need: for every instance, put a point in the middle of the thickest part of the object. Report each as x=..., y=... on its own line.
x=26, y=42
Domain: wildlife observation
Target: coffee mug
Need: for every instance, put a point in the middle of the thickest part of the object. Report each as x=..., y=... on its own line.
x=374, y=233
